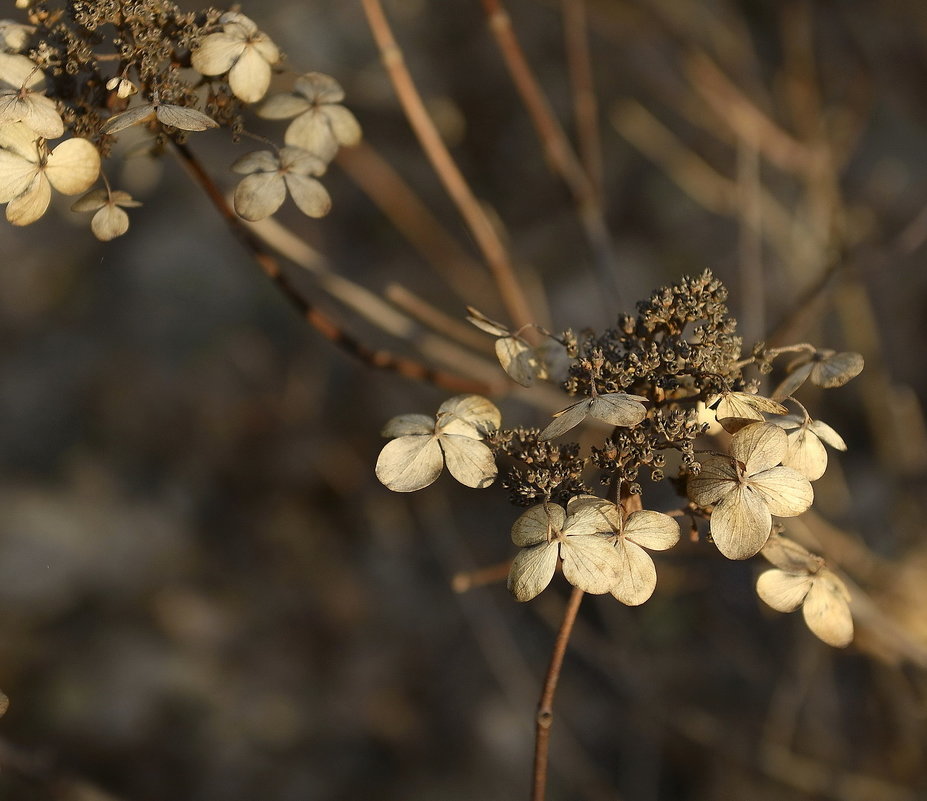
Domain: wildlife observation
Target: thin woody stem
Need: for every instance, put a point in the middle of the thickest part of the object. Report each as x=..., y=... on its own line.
x=545, y=714
x=487, y=239
x=318, y=319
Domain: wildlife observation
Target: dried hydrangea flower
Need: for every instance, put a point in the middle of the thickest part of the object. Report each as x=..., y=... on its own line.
x=271, y=175
x=548, y=532
x=110, y=220
x=630, y=534
x=825, y=368
x=25, y=102
x=614, y=408
x=242, y=51
x=806, y=452
x=747, y=488
x=422, y=446
x=186, y=119
x=320, y=123
x=28, y=171
x=734, y=410
x=802, y=579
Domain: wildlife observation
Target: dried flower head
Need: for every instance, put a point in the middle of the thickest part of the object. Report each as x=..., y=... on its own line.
x=825, y=368
x=110, y=220
x=807, y=437
x=270, y=176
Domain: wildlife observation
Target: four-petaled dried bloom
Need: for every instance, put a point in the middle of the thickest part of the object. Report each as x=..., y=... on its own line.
x=614, y=408
x=270, y=176
x=747, y=488
x=242, y=51
x=802, y=579
x=630, y=534
x=423, y=444
x=806, y=452
x=26, y=102
x=28, y=171
x=321, y=124
x=547, y=532
x=825, y=368
x=110, y=220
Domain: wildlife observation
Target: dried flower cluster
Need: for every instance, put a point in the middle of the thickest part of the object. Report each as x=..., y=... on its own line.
x=88, y=71
x=655, y=381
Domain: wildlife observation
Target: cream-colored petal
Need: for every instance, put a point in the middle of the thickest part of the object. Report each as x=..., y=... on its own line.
x=19, y=71
x=310, y=197
x=126, y=119
x=590, y=563
x=410, y=463
x=256, y=161
x=827, y=435
x=836, y=370
x=311, y=131
x=16, y=175
x=806, y=454
x=21, y=140
x=566, y=419
x=301, y=162
x=783, y=591
x=786, y=491
x=186, y=119
x=737, y=409
x=793, y=381
x=469, y=460
x=31, y=204
x=217, y=53
x=537, y=524
x=265, y=48
x=487, y=324
x=259, y=195
x=617, y=409
x=95, y=199
x=249, y=79
x=790, y=556
x=759, y=446
x=652, y=530
x=464, y=413
x=319, y=88
x=740, y=523
x=73, y=166
x=109, y=222
x=588, y=514
x=532, y=570
x=637, y=576
x=344, y=125
x=282, y=107
x=518, y=360
x=405, y=424
x=238, y=24
x=827, y=612
x=717, y=478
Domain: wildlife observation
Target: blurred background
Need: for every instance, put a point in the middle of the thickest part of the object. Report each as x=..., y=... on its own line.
x=204, y=591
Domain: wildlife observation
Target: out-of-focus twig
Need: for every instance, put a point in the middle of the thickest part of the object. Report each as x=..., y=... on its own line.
x=432, y=317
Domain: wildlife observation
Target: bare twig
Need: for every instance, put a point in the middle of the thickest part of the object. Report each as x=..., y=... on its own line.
x=323, y=323
x=488, y=240
x=545, y=715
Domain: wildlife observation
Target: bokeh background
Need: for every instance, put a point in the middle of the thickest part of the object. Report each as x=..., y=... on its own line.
x=204, y=592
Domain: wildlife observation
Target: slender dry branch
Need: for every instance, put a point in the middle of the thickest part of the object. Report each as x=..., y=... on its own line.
x=318, y=319
x=485, y=234
x=545, y=715
x=557, y=147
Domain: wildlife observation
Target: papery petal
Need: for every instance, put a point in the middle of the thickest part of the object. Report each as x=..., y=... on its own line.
x=405, y=424
x=344, y=125
x=186, y=119
x=566, y=419
x=256, y=161
x=806, y=454
x=652, y=530
x=95, y=199
x=19, y=71
x=259, y=195
x=109, y=222
x=793, y=381
x=73, y=166
x=827, y=435
x=16, y=175
x=786, y=491
x=717, y=478
x=836, y=370
x=311, y=131
x=518, y=360
x=310, y=197
x=590, y=563
x=282, y=107
x=736, y=409
x=217, y=53
x=740, y=523
x=126, y=119
x=790, y=556
x=759, y=446
x=589, y=514
x=617, y=409
x=238, y=25
x=484, y=323
x=410, y=463
x=532, y=570
x=319, y=88
x=469, y=460
x=783, y=591
x=464, y=414
x=21, y=140
x=31, y=204
x=637, y=575
x=249, y=79
x=301, y=162
x=265, y=48
x=535, y=525
x=827, y=612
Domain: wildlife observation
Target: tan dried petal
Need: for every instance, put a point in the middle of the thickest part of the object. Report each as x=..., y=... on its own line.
x=827, y=435
x=249, y=78
x=405, y=424
x=410, y=463
x=186, y=119
x=109, y=222
x=793, y=381
x=717, y=478
x=785, y=491
x=518, y=360
x=618, y=409
x=29, y=206
x=567, y=418
x=535, y=525
x=759, y=446
x=734, y=410
x=310, y=197
x=790, y=556
x=590, y=563
x=805, y=453
x=468, y=460
x=636, y=578
x=466, y=414
x=740, y=523
x=783, y=591
x=259, y=195
x=73, y=166
x=589, y=514
x=19, y=71
x=652, y=530
x=16, y=174
x=531, y=571
x=486, y=324
x=283, y=107
x=836, y=369
x=827, y=612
